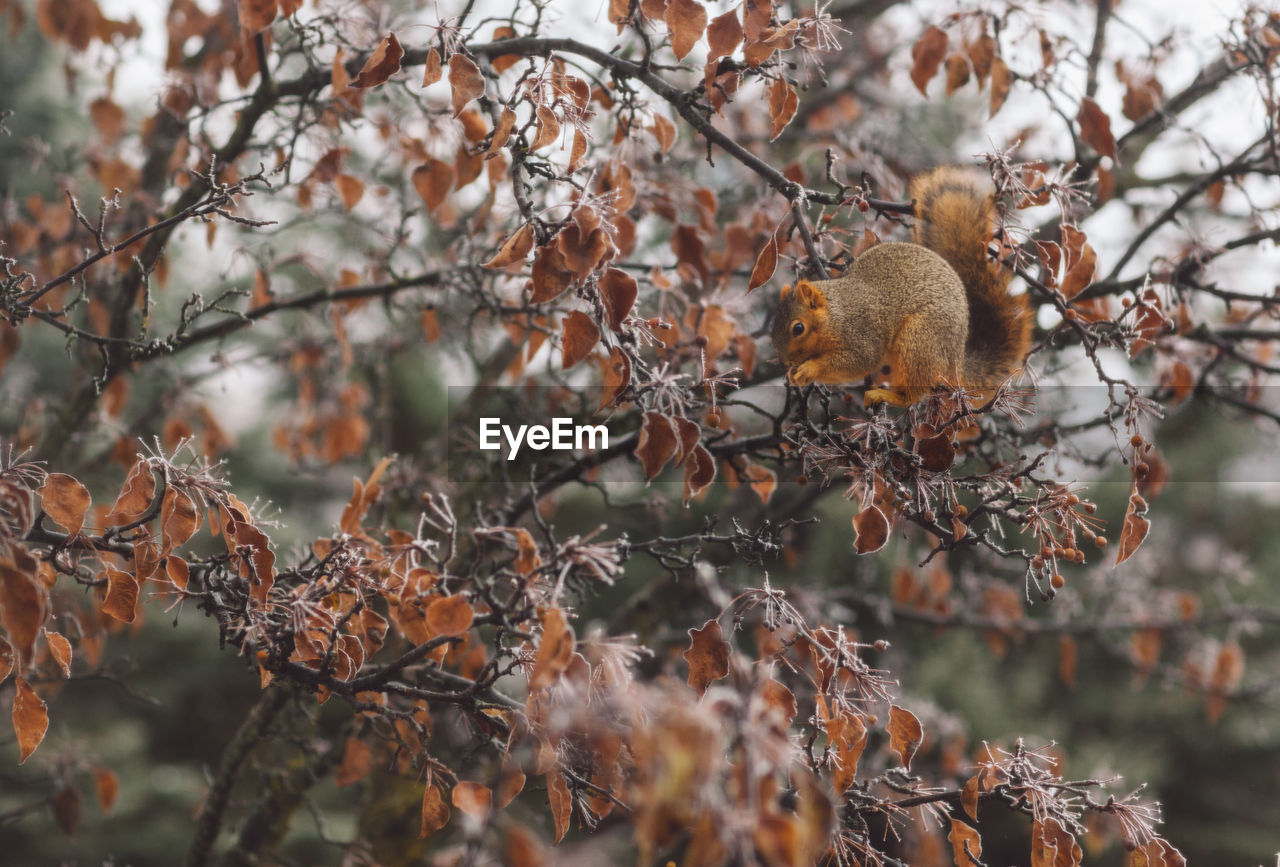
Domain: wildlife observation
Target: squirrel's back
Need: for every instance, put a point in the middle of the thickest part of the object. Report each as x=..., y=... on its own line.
x=885, y=283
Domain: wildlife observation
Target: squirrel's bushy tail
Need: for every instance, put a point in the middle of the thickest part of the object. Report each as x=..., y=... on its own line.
x=954, y=215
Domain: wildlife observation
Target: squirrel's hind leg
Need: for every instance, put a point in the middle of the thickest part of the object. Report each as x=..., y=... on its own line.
x=923, y=354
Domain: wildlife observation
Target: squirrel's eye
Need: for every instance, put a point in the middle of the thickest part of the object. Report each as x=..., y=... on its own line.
x=797, y=328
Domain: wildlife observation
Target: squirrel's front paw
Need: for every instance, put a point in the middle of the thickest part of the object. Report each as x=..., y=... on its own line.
x=804, y=374
x=884, y=395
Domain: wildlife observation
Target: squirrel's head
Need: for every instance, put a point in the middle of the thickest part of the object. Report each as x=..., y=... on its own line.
x=796, y=327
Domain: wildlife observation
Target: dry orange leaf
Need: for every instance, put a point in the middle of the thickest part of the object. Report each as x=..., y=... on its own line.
x=351, y=189
x=579, y=336
x=135, y=496
x=688, y=433
x=23, y=605
x=1135, y=527
x=686, y=19
x=510, y=782
x=1183, y=382
x=432, y=70
x=616, y=375
x=256, y=15
x=555, y=650
x=357, y=760
x=381, y=65
x=619, y=10
x=699, y=472
x=433, y=180
x=966, y=846
x=1081, y=261
x=501, y=132
x=982, y=54
x=763, y=481
x=664, y=131
x=724, y=34
x=871, y=530
x=430, y=323
x=766, y=263
x=474, y=799
x=108, y=786
x=1001, y=81
x=177, y=571
x=503, y=62
x=1053, y=846
x=527, y=558
x=618, y=291
x=561, y=803
x=6, y=659
x=583, y=251
x=1095, y=128
x=1156, y=853
x=849, y=735
x=513, y=250
x=179, y=518
x=469, y=166
x=450, y=615
x=66, y=501
x=926, y=56
x=936, y=453
x=30, y=719
x=548, y=128
x=65, y=806
x=466, y=81
x=783, y=103
x=524, y=849
x=551, y=274
x=690, y=250
x=905, y=734
x=435, y=812
x=708, y=656
x=60, y=650
x=1068, y=656
x=957, y=72
x=969, y=798
x=577, y=154
x=108, y=118
x=122, y=595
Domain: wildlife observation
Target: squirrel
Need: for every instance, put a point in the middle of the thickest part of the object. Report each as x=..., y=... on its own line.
x=930, y=313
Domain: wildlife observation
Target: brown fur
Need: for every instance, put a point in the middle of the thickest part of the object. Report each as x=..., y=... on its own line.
x=936, y=312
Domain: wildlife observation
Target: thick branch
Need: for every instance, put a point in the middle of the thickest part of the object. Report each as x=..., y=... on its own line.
x=250, y=733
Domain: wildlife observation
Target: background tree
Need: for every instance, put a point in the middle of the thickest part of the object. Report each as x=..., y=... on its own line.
x=305, y=241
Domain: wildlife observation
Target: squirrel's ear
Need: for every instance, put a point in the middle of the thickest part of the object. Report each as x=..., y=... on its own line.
x=786, y=290
x=811, y=296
